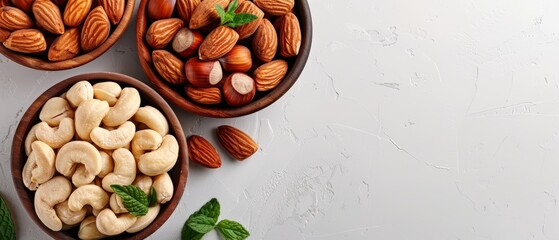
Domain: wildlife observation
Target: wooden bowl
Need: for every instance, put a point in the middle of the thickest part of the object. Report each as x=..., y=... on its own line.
x=41, y=62
x=176, y=94
x=178, y=173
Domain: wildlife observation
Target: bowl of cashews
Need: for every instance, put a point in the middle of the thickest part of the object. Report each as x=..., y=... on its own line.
x=89, y=144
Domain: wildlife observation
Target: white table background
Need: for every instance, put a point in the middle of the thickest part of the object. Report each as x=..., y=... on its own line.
x=432, y=119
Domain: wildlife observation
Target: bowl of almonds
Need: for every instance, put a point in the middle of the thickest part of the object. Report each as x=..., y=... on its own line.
x=223, y=58
x=61, y=34
x=99, y=155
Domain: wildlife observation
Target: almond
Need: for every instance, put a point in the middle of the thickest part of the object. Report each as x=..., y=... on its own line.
x=48, y=16
x=246, y=30
x=26, y=41
x=238, y=89
x=265, y=41
x=12, y=18
x=208, y=96
x=96, y=29
x=186, y=42
x=203, y=73
x=236, y=142
x=76, y=11
x=161, y=32
x=168, y=66
x=24, y=5
x=237, y=60
x=289, y=35
x=186, y=8
x=160, y=9
x=269, y=75
x=66, y=46
x=4, y=34
x=205, y=13
x=202, y=152
x=218, y=43
x=114, y=9
x=275, y=7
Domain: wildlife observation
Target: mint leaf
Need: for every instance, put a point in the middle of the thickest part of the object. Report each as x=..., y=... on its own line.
x=152, y=197
x=233, y=6
x=220, y=12
x=133, y=198
x=201, y=223
x=7, y=229
x=210, y=210
x=241, y=19
x=231, y=230
x=189, y=234
x=232, y=19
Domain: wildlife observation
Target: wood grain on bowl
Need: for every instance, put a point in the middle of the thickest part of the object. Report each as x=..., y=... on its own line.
x=178, y=173
x=176, y=93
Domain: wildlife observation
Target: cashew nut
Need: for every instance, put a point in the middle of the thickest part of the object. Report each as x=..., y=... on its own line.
x=161, y=160
x=39, y=167
x=124, y=171
x=145, y=220
x=163, y=186
x=145, y=140
x=107, y=164
x=153, y=118
x=53, y=192
x=113, y=139
x=82, y=176
x=80, y=92
x=88, y=229
x=143, y=182
x=126, y=106
x=89, y=116
x=91, y=194
x=78, y=152
x=68, y=216
x=107, y=91
x=31, y=137
x=116, y=204
x=58, y=136
x=109, y=224
x=54, y=110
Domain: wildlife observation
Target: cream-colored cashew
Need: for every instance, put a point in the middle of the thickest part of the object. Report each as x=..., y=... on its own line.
x=126, y=106
x=77, y=152
x=31, y=137
x=143, y=182
x=78, y=93
x=53, y=192
x=88, y=229
x=116, y=204
x=153, y=118
x=89, y=116
x=113, y=139
x=107, y=164
x=161, y=160
x=58, y=136
x=91, y=194
x=54, y=110
x=107, y=91
x=163, y=186
x=145, y=140
x=145, y=220
x=82, y=176
x=109, y=224
x=124, y=171
x=68, y=216
x=44, y=159
x=26, y=173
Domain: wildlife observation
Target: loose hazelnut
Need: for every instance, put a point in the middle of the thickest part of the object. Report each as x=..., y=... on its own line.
x=237, y=60
x=186, y=42
x=238, y=89
x=203, y=73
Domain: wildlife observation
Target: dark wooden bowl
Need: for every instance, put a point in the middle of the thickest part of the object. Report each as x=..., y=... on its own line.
x=41, y=62
x=177, y=95
x=178, y=173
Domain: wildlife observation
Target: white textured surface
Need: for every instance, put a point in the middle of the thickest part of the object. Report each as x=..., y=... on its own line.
x=433, y=119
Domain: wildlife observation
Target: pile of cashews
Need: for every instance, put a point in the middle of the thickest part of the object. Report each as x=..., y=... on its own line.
x=87, y=141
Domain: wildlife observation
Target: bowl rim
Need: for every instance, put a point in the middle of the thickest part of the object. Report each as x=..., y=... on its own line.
x=219, y=112
x=25, y=124
x=33, y=62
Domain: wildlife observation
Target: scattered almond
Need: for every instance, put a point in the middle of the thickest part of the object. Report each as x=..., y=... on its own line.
x=236, y=142
x=48, y=16
x=265, y=41
x=76, y=11
x=12, y=19
x=218, y=43
x=289, y=35
x=202, y=152
x=161, y=32
x=269, y=75
x=26, y=41
x=66, y=46
x=204, y=95
x=114, y=9
x=96, y=29
x=169, y=66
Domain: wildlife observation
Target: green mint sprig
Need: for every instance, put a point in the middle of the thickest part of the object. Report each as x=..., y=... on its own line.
x=7, y=229
x=231, y=19
x=135, y=200
x=204, y=220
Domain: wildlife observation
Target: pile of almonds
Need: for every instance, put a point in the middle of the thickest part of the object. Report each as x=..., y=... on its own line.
x=214, y=62
x=64, y=27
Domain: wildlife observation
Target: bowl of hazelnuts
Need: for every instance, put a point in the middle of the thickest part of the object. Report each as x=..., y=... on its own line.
x=223, y=58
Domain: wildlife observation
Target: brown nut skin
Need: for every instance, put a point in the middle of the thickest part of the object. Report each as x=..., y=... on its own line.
x=65, y=46
x=48, y=16
x=238, y=59
x=207, y=96
x=160, y=9
x=275, y=7
x=161, y=32
x=239, y=144
x=186, y=42
x=218, y=43
x=12, y=18
x=269, y=75
x=24, y=5
x=248, y=29
x=239, y=89
x=203, y=73
x=205, y=13
x=168, y=66
x=289, y=35
x=202, y=152
x=76, y=12
x=114, y=9
x=96, y=29
x=265, y=41
x=186, y=8
x=4, y=34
